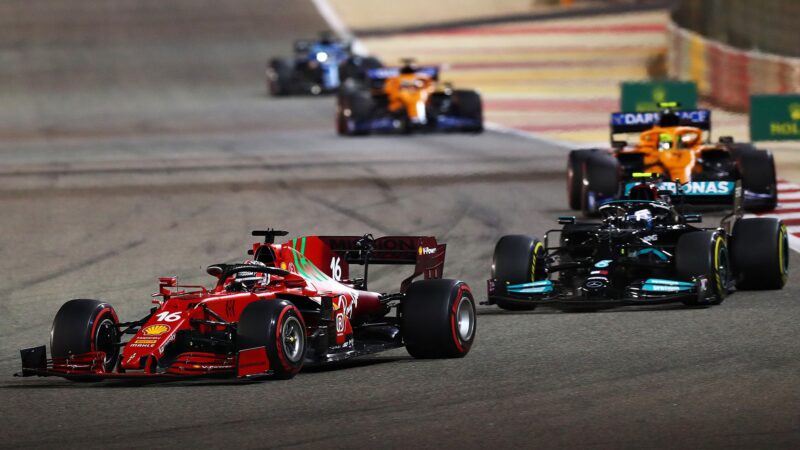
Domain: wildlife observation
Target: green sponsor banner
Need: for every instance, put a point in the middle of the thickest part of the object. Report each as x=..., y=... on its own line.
x=775, y=117
x=644, y=96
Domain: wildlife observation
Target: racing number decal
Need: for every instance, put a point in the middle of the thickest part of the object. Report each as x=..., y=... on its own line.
x=167, y=316
x=336, y=268
x=339, y=322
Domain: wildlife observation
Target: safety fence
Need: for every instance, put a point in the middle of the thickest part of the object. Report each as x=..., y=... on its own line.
x=726, y=75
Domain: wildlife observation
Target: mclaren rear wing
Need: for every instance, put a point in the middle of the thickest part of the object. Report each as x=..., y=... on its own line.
x=636, y=122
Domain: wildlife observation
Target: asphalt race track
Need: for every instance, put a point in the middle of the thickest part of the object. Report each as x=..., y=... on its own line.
x=137, y=142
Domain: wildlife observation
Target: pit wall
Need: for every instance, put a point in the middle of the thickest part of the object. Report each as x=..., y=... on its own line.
x=725, y=75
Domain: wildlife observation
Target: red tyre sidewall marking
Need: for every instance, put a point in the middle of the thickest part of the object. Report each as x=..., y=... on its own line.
x=92, y=344
x=453, y=312
x=279, y=343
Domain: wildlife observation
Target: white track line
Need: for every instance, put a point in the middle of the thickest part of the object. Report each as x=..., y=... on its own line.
x=338, y=26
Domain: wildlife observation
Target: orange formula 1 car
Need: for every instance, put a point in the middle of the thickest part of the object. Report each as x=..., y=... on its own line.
x=407, y=99
x=676, y=145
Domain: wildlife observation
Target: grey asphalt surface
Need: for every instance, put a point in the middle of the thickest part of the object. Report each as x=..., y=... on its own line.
x=137, y=142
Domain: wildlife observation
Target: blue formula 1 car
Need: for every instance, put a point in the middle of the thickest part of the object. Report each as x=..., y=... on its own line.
x=320, y=66
x=644, y=251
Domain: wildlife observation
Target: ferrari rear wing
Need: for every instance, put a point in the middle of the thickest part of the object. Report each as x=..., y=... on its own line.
x=423, y=252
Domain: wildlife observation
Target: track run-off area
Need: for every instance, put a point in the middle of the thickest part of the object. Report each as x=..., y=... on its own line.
x=137, y=141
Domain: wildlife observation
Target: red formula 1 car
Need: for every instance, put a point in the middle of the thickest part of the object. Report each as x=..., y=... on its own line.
x=292, y=304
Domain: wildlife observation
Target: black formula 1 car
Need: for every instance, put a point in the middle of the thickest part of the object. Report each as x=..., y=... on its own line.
x=675, y=144
x=643, y=252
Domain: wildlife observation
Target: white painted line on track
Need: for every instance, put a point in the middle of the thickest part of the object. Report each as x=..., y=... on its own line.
x=497, y=128
x=336, y=23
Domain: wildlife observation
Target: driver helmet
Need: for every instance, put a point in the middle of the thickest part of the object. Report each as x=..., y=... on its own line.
x=664, y=141
x=641, y=218
x=251, y=280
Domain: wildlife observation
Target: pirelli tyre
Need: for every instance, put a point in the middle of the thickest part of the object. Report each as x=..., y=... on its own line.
x=354, y=72
x=278, y=326
x=600, y=181
x=353, y=112
x=438, y=319
x=704, y=255
x=83, y=326
x=575, y=162
x=469, y=106
x=760, y=253
x=518, y=259
x=760, y=184
x=279, y=77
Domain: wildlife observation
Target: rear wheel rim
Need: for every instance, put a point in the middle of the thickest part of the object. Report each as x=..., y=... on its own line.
x=465, y=319
x=784, y=252
x=292, y=339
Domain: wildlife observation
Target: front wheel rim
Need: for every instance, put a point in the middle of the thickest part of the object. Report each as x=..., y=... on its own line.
x=465, y=319
x=105, y=339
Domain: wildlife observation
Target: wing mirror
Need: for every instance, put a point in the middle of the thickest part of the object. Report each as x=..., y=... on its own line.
x=566, y=220
x=693, y=218
x=619, y=144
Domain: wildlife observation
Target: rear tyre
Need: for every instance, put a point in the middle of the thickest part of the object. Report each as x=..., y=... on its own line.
x=438, y=319
x=279, y=76
x=354, y=72
x=760, y=253
x=600, y=181
x=575, y=176
x=468, y=105
x=758, y=177
x=518, y=259
x=83, y=326
x=278, y=326
x=704, y=253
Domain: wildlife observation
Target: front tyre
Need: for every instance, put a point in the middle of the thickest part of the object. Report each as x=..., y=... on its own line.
x=518, y=259
x=438, y=319
x=278, y=326
x=704, y=254
x=83, y=326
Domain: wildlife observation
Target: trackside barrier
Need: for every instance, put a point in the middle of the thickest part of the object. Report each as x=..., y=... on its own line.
x=726, y=75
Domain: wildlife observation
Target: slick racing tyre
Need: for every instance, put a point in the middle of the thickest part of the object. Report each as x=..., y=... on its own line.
x=518, y=259
x=760, y=253
x=600, y=180
x=758, y=180
x=277, y=326
x=704, y=254
x=468, y=106
x=355, y=70
x=354, y=109
x=438, y=319
x=84, y=325
x=575, y=176
x=279, y=77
